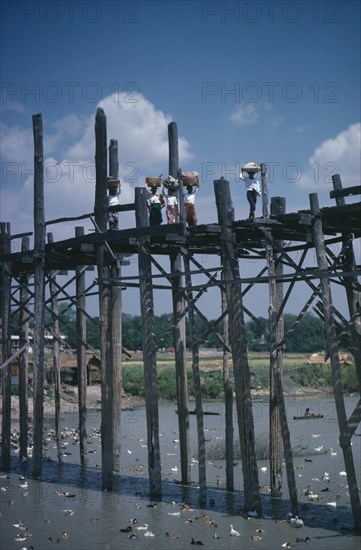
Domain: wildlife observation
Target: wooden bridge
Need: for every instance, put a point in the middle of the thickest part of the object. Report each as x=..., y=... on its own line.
x=230, y=241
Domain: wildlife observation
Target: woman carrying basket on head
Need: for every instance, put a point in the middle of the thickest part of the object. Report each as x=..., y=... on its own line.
x=190, y=197
x=253, y=187
x=171, y=202
x=155, y=202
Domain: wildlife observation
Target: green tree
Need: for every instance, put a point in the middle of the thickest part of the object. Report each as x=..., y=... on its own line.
x=308, y=335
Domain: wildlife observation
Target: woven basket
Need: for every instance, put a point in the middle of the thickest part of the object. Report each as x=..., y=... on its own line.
x=251, y=167
x=153, y=182
x=190, y=180
x=113, y=184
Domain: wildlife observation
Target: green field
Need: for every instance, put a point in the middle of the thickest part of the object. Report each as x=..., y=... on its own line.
x=298, y=374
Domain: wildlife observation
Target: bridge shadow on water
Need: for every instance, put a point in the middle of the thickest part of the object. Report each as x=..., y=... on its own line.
x=73, y=480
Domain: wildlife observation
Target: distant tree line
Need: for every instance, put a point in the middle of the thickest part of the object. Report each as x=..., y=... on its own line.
x=308, y=336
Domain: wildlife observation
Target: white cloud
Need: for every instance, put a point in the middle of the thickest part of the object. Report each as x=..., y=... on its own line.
x=244, y=114
x=140, y=129
x=11, y=105
x=298, y=129
x=339, y=155
x=69, y=149
x=16, y=143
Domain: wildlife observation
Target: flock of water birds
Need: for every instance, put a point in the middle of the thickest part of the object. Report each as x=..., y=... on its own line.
x=134, y=529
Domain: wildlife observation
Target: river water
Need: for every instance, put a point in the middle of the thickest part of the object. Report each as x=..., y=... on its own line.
x=68, y=507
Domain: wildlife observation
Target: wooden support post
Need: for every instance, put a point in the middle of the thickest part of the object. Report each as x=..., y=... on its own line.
x=278, y=415
x=264, y=190
x=179, y=322
x=24, y=356
x=197, y=385
x=56, y=355
x=149, y=349
x=102, y=255
x=238, y=340
x=351, y=286
x=115, y=312
x=174, y=166
x=276, y=363
x=113, y=159
x=114, y=165
x=331, y=336
x=5, y=348
x=228, y=394
x=81, y=354
x=39, y=295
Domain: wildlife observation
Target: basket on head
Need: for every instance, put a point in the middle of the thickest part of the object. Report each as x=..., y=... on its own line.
x=153, y=182
x=251, y=167
x=190, y=180
x=112, y=183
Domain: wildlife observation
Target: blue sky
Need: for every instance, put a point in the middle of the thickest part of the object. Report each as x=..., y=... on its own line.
x=274, y=82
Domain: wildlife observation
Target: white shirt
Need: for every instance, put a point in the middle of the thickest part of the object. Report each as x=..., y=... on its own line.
x=171, y=200
x=189, y=198
x=251, y=183
x=153, y=199
x=113, y=199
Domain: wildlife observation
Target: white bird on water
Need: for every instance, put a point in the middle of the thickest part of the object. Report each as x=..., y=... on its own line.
x=296, y=522
x=143, y=527
x=234, y=533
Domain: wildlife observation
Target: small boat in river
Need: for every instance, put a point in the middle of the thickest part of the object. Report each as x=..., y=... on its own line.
x=308, y=416
x=213, y=413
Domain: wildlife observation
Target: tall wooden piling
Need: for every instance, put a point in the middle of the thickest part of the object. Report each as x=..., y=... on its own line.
x=264, y=191
x=56, y=354
x=238, y=340
x=196, y=385
x=275, y=269
x=149, y=348
x=332, y=345
x=280, y=439
x=39, y=295
x=103, y=260
x=228, y=395
x=351, y=285
x=81, y=354
x=115, y=312
x=24, y=316
x=5, y=296
x=179, y=322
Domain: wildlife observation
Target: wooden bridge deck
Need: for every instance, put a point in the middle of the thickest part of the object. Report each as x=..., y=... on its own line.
x=203, y=239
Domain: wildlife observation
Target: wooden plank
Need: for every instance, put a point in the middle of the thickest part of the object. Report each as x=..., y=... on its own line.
x=338, y=193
